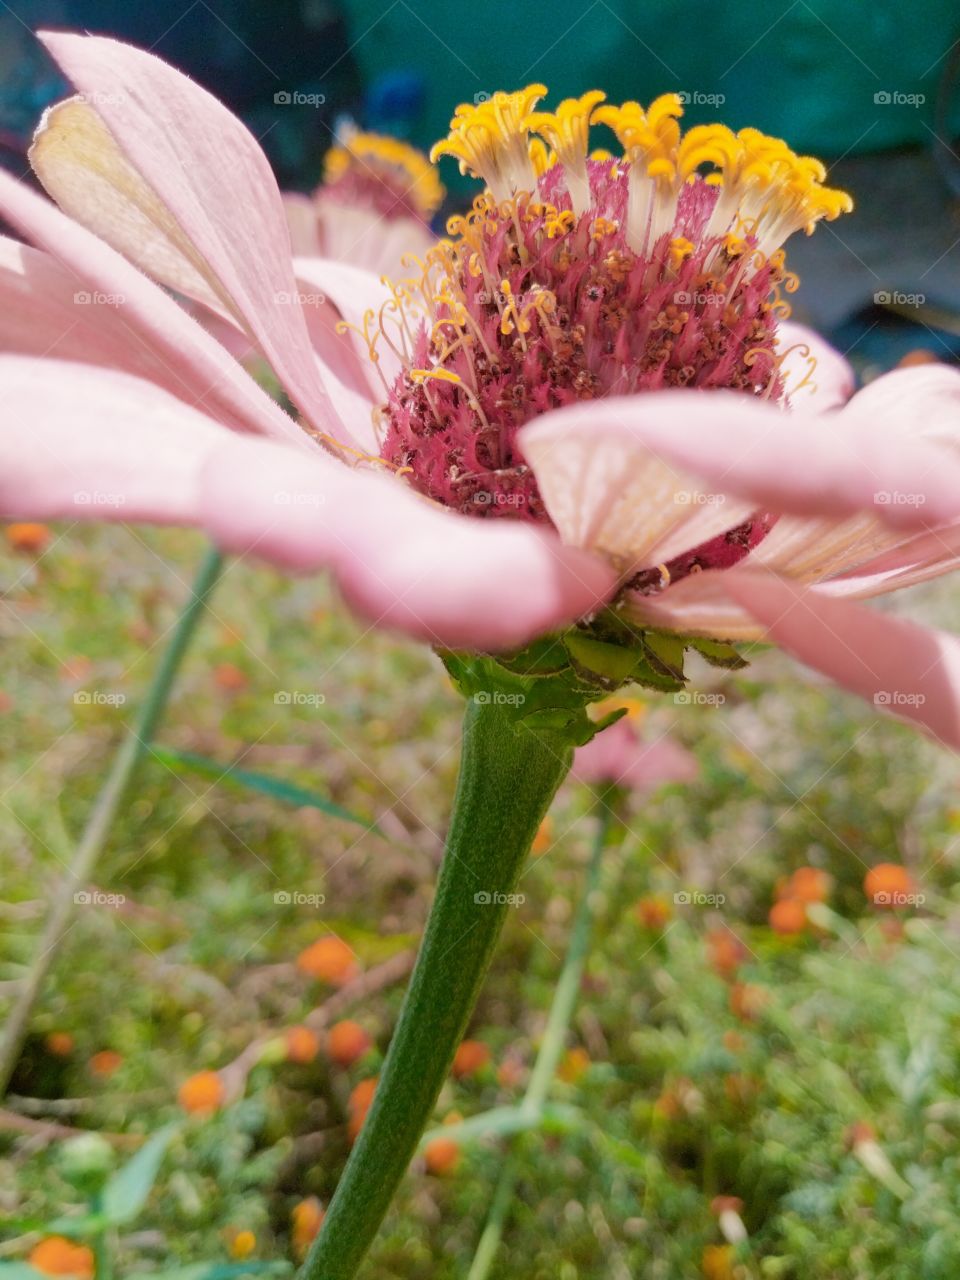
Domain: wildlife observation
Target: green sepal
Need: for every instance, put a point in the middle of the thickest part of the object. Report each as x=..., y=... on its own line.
x=717, y=653
x=545, y=657
x=664, y=652
x=609, y=664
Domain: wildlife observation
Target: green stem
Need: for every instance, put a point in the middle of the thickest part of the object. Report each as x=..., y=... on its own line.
x=101, y=817
x=508, y=777
x=551, y=1047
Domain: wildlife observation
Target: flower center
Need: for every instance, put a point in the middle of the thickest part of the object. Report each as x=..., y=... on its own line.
x=382, y=173
x=576, y=277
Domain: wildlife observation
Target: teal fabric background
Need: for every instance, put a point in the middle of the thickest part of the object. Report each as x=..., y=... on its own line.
x=807, y=70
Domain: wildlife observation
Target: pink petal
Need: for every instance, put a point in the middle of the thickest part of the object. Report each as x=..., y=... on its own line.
x=401, y=561
x=302, y=222
x=899, y=667
x=365, y=238
x=83, y=443
x=357, y=294
x=194, y=365
x=799, y=462
x=699, y=605
x=179, y=185
x=832, y=379
x=619, y=755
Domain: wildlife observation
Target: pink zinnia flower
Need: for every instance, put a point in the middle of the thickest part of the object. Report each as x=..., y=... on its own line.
x=595, y=352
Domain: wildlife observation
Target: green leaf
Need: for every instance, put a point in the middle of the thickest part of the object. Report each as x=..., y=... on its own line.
x=276, y=788
x=126, y=1193
x=19, y=1271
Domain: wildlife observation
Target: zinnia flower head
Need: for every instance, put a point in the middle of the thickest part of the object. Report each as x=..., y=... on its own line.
x=576, y=278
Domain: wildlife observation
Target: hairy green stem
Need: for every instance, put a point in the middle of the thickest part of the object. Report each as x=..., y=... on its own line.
x=105, y=808
x=508, y=777
x=551, y=1047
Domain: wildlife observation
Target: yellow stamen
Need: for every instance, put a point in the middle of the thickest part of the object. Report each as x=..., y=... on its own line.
x=490, y=140
x=567, y=130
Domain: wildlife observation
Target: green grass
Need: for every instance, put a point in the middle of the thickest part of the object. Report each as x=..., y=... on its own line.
x=683, y=1101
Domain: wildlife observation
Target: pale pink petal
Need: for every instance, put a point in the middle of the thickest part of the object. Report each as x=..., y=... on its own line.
x=619, y=755
x=302, y=222
x=897, y=666
x=608, y=492
x=611, y=471
x=699, y=605
x=402, y=562
x=162, y=170
x=83, y=443
x=365, y=238
x=195, y=366
x=359, y=296
x=827, y=383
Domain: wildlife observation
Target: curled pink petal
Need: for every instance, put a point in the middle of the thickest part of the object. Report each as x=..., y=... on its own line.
x=900, y=668
x=157, y=166
x=619, y=756
x=401, y=561
x=195, y=366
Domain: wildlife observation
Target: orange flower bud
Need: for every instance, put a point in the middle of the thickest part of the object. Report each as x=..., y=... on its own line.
x=543, y=840
x=359, y=1104
x=653, y=911
x=347, y=1042
x=307, y=1218
x=809, y=884
x=57, y=1256
x=30, y=539
x=471, y=1057
x=442, y=1155
x=888, y=884
x=303, y=1045
x=329, y=960
x=203, y=1093
x=242, y=1244
x=59, y=1043
x=725, y=951
x=229, y=677
x=788, y=916
x=573, y=1065
x=105, y=1063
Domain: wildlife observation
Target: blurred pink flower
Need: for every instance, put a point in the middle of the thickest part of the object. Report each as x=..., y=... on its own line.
x=732, y=513
x=620, y=756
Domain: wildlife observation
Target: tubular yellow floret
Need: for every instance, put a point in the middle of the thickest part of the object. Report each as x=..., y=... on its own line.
x=650, y=141
x=490, y=140
x=567, y=130
x=378, y=154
